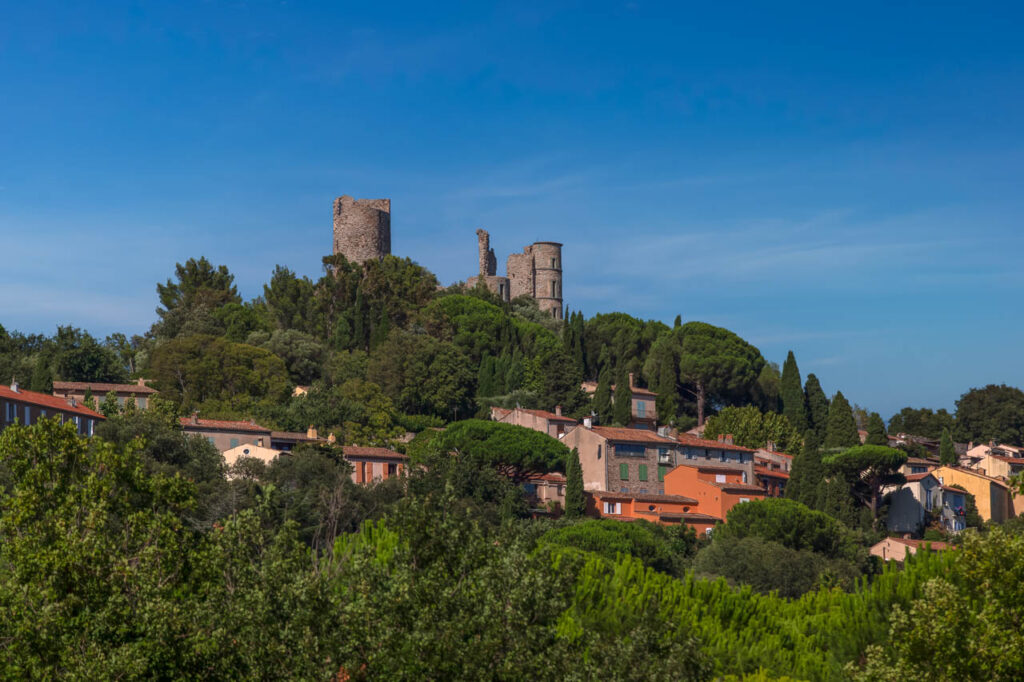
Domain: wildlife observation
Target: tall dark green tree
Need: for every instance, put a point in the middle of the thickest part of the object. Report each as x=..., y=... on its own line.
x=991, y=413
x=622, y=412
x=793, y=405
x=947, y=451
x=602, y=404
x=876, y=430
x=719, y=366
x=817, y=406
x=807, y=474
x=867, y=470
x=841, y=428
x=575, y=502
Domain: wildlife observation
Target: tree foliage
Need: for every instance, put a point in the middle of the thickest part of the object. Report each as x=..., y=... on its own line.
x=794, y=405
x=752, y=428
x=991, y=413
x=841, y=429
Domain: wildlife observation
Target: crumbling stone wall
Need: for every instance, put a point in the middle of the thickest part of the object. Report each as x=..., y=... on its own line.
x=362, y=228
x=488, y=263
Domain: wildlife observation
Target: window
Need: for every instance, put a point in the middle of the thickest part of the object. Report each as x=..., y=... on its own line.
x=719, y=478
x=661, y=473
x=641, y=408
x=629, y=450
x=745, y=477
x=28, y=415
x=234, y=442
x=643, y=473
x=643, y=491
x=624, y=471
x=928, y=500
x=11, y=411
x=392, y=469
x=92, y=426
x=744, y=499
x=210, y=438
x=78, y=423
x=554, y=293
x=612, y=507
x=553, y=261
x=599, y=452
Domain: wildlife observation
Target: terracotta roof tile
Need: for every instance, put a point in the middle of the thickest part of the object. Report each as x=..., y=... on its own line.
x=712, y=466
x=919, y=543
x=50, y=402
x=913, y=478
x=221, y=425
x=768, y=473
x=361, y=451
x=615, y=433
x=643, y=497
x=550, y=416
x=100, y=389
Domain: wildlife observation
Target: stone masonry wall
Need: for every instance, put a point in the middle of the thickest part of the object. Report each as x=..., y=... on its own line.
x=488, y=263
x=520, y=273
x=362, y=228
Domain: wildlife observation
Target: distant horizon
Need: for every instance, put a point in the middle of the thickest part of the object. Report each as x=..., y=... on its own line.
x=842, y=182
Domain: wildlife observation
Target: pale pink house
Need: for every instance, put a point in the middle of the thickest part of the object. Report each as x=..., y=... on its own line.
x=555, y=424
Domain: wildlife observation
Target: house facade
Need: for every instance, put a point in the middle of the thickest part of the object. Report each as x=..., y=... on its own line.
x=991, y=496
x=225, y=435
x=716, y=486
x=554, y=423
x=898, y=549
x=76, y=390
x=923, y=497
x=663, y=509
x=546, y=491
x=370, y=464
x=622, y=460
x=20, y=406
x=644, y=409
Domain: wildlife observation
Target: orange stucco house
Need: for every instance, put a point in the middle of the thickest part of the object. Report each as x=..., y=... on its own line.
x=716, y=486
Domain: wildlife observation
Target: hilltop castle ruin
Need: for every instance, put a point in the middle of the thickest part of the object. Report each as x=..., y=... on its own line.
x=536, y=272
x=362, y=232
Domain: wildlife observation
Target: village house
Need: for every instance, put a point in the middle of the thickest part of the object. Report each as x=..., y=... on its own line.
x=716, y=486
x=913, y=505
x=286, y=441
x=622, y=460
x=78, y=389
x=918, y=465
x=771, y=470
x=663, y=509
x=263, y=454
x=546, y=491
x=28, y=407
x=723, y=450
x=990, y=495
x=897, y=549
x=226, y=435
x=552, y=423
x=998, y=461
x=374, y=464
x=644, y=411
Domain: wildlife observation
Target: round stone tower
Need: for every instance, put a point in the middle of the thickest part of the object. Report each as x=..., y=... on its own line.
x=362, y=228
x=547, y=277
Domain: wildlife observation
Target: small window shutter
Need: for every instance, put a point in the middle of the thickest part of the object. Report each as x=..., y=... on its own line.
x=624, y=472
x=643, y=472
x=661, y=473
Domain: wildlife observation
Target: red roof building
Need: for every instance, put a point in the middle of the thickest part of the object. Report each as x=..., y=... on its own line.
x=28, y=407
x=372, y=464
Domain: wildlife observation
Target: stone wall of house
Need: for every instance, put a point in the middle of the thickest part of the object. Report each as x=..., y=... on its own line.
x=362, y=228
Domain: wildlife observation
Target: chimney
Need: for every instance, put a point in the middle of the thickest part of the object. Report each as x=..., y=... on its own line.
x=728, y=439
x=195, y=416
x=558, y=410
x=631, y=384
x=74, y=402
x=970, y=446
x=721, y=438
x=770, y=446
x=142, y=382
x=331, y=438
x=588, y=422
x=991, y=443
x=14, y=384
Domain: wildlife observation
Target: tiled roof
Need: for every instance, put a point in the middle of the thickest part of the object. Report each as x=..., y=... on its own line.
x=922, y=460
x=969, y=472
x=293, y=435
x=643, y=497
x=553, y=478
x=615, y=433
x=919, y=543
x=763, y=471
x=694, y=441
x=741, y=487
x=360, y=451
x=99, y=390
x=550, y=416
x=913, y=478
x=591, y=387
x=689, y=516
x=712, y=466
x=221, y=425
x=49, y=402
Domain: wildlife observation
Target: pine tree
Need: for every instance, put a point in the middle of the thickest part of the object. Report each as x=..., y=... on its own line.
x=668, y=392
x=485, y=380
x=623, y=405
x=876, y=430
x=678, y=323
x=817, y=406
x=807, y=474
x=947, y=451
x=837, y=501
x=602, y=404
x=841, y=429
x=793, y=405
x=575, y=503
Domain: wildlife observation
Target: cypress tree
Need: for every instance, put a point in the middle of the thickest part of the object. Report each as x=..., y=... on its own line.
x=359, y=323
x=793, y=395
x=623, y=405
x=602, y=404
x=817, y=406
x=807, y=474
x=485, y=377
x=668, y=392
x=947, y=452
x=678, y=323
x=838, y=502
x=876, y=430
x=575, y=502
x=841, y=428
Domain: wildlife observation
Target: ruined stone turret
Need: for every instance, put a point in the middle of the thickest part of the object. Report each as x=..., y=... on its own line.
x=362, y=228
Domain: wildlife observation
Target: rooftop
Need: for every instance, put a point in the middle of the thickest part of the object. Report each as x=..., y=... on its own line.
x=361, y=451
x=616, y=433
x=101, y=389
x=50, y=402
x=221, y=425
x=694, y=441
x=643, y=497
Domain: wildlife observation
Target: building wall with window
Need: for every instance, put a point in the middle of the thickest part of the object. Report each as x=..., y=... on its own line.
x=374, y=464
x=717, y=487
x=226, y=435
x=138, y=391
x=622, y=460
x=992, y=496
x=27, y=407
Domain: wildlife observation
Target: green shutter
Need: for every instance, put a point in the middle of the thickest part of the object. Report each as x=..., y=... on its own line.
x=624, y=472
x=643, y=472
x=661, y=473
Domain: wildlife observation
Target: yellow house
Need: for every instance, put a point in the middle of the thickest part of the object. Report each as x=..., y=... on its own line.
x=991, y=496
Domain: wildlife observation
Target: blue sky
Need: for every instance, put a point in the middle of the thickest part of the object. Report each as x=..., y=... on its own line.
x=843, y=182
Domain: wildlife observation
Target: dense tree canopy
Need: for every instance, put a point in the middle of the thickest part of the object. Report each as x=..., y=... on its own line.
x=752, y=428
x=721, y=367
x=516, y=451
x=991, y=413
x=867, y=469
